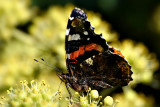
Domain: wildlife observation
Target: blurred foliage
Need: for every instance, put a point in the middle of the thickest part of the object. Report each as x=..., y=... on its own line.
x=130, y=98
x=45, y=38
x=12, y=13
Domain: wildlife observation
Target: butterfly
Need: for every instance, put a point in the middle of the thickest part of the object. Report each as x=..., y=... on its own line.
x=91, y=62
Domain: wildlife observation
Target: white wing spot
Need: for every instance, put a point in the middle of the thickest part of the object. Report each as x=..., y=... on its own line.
x=68, y=56
x=85, y=33
x=67, y=31
x=88, y=38
x=71, y=18
x=102, y=37
x=69, y=37
x=74, y=37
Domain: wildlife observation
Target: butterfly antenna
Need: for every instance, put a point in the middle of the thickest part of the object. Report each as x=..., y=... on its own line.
x=47, y=64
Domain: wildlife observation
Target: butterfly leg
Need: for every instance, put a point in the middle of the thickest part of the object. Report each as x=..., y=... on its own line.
x=69, y=91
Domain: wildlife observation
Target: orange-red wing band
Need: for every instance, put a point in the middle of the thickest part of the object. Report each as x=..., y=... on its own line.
x=84, y=48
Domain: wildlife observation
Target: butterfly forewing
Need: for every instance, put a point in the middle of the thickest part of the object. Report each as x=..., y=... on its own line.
x=81, y=41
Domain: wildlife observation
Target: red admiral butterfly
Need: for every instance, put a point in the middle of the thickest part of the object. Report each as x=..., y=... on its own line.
x=90, y=61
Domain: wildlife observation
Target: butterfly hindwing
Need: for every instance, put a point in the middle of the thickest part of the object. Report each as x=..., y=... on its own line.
x=105, y=70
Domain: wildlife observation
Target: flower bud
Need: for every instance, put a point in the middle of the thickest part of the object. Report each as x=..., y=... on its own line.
x=108, y=101
x=94, y=94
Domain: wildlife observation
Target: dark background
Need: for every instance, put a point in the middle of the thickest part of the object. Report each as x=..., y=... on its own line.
x=132, y=19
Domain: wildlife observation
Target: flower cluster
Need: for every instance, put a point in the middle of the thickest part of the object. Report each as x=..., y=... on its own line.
x=35, y=94
x=39, y=94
